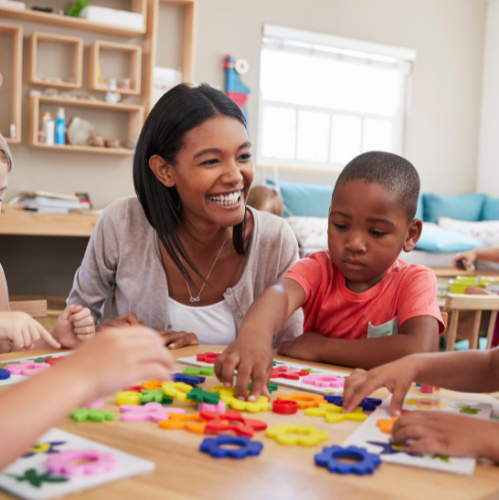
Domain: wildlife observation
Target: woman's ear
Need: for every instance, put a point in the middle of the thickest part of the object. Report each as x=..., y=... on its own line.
x=413, y=234
x=162, y=170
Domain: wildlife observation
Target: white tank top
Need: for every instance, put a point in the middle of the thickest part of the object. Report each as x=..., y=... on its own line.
x=213, y=324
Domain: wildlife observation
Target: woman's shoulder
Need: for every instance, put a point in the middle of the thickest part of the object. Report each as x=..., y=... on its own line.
x=271, y=227
x=126, y=209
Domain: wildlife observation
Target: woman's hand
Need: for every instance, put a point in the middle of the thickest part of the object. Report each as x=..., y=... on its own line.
x=124, y=320
x=467, y=259
x=176, y=340
x=397, y=377
x=252, y=360
x=445, y=434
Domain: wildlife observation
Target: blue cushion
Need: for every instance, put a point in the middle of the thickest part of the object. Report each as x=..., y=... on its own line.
x=466, y=207
x=305, y=200
x=490, y=209
x=419, y=211
x=447, y=241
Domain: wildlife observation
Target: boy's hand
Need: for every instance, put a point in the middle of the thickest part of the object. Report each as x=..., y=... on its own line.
x=467, y=258
x=397, y=377
x=176, y=340
x=21, y=331
x=74, y=325
x=252, y=360
x=124, y=320
x=306, y=346
x=444, y=433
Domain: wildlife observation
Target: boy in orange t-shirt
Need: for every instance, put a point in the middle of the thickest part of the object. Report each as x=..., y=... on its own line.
x=358, y=290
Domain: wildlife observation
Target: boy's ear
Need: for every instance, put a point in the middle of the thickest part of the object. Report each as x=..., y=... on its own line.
x=413, y=234
x=162, y=170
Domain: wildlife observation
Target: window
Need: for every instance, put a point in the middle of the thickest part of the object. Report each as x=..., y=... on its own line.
x=325, y=99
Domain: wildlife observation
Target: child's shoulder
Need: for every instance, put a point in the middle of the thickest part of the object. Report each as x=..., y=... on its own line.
x=411, y=271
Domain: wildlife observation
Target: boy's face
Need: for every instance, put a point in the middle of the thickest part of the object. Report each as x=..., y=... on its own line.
x=367, y=230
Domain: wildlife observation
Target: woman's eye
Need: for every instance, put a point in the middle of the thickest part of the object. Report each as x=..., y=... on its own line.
x=341, y=227
x=213, y=161
x=245, y=156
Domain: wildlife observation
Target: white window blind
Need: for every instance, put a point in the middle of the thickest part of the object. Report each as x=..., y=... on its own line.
x=324, y=99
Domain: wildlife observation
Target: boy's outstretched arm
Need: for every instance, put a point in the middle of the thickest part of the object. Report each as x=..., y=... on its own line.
x=251, y=352
x=415, y=335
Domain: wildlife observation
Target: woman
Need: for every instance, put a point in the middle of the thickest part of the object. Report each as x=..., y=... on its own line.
x=187, y=256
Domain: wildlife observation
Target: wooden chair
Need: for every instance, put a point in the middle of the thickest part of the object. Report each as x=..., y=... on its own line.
x=35, y=308
x=454, y=303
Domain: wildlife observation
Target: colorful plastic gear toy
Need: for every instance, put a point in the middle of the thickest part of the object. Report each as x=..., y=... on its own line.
x=197, y=371
x=202, y=396
x=213, y=446
x=305, y=435
x=208, y=357
x=366, y=464
x=188, y=379
x=333, y=414
x=367, y=404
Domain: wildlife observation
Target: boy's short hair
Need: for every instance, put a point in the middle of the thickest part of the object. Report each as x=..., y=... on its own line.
x=388, y=170
x=266, y=198
x=5, y=154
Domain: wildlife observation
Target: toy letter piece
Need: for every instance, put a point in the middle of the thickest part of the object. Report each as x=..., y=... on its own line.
x=95, y=415
x=192, y=423
x=4, y=374
x=386, y=424
x=213, y=446
x=287, y=373
x=284, y=406
x=208, y=357
x=128, y=398
x=367, y=404
x=229, y=422
x=333, y=415
x=324, y=381
x=177, y=390
x=203, y=396
x=304, y=400
x=288, y=434
x=150, y=411
x=26, y=368
x=366, y=462
x=68, y=462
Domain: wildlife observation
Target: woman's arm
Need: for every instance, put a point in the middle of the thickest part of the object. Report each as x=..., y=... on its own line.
x=468, y=258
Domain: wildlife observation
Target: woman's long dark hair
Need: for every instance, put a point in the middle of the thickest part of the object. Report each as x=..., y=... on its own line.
x=181, y=109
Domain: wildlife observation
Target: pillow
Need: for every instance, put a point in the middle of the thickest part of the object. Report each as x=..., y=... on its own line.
x=311, y=232
x=419, y=211
x=485, y=231
x=490, y=209
x=446, y=241
x=466, y=207
x=311, y=200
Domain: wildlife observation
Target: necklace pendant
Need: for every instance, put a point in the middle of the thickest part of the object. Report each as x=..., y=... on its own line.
x=195, y=299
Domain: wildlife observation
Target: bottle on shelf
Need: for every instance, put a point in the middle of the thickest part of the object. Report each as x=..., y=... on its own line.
x=60, y=128
x=49, y=129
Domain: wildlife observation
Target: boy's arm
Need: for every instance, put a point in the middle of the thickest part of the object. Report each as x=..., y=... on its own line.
x=468, y=258
x=251, y=352
x=419, y=334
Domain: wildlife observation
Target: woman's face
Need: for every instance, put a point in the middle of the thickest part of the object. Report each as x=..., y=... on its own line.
x=214, y=172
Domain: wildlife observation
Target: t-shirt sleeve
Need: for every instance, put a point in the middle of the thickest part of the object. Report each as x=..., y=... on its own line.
x=419, y=297
x=308, y=274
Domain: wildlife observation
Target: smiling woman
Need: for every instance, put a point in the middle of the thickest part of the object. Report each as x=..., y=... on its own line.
x=187, y=257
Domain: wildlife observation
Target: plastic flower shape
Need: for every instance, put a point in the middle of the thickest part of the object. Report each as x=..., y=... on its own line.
x=333, y=415
x=366, y=462
x=306, y=435
x=213, y=446
x=202, y=396
x=192, y=423
x=324, y=381
x=221, y=407
x=177, y=390
x=426, y=403
x=26, y=368
x=155, y=396
x=128, y=398
x=152, y=384
x=208, y=357
x=188, y=379
x=287, y=373
x=230, y=421
x=64, y=462
x=261, y=404
x=150, y=411
x=367, y=404
x=304, y=400
x=386, y=424
x=95, y=415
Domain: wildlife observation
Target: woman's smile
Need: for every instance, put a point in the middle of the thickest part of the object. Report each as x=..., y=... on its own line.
x=228, y=200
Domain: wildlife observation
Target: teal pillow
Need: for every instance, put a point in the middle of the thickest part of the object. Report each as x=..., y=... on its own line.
x=304, y=200
x=419, y=211
x=447, y=241
x=490, y=209
x=466, y=207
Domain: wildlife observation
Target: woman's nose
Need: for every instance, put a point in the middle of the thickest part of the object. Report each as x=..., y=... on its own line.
x=232, y=174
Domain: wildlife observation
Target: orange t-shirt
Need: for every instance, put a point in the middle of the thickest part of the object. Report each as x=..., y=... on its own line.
x=331, y=309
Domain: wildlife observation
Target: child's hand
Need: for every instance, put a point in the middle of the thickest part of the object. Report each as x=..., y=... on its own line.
x=74, y=325
x=21, y=331
x=101, y=362
x=467, y=258
x=397, y=377
x=252, y=360
x=176, y=340
x=444, y=433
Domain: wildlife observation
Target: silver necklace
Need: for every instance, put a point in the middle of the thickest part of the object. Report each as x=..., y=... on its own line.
x=198, y=298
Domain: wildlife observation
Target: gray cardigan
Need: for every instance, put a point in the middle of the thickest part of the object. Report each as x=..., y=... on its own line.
x=123, y=262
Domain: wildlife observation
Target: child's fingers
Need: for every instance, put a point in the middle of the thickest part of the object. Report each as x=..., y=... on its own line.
x=85, y=337
x=398, y=397
x=258, y=384
x=33, y=333
x=84, y=330
x=357, y=393
x=86, y=321
x=47, y=337
x=242, y=381
x=427, y=445
x=83, y=314
x=230, y=363
x=185, y=340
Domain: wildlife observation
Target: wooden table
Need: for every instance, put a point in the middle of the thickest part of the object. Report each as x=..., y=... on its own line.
x=280, y=472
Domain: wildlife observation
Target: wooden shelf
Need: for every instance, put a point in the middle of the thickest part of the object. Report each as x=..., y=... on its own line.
x=33, y=224
x=68, y=148
x=68, y=22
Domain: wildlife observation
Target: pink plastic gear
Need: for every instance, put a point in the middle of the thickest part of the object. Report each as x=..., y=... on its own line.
x=63, y=462
x=324, y=381
x=150, y=411
x=26, y=368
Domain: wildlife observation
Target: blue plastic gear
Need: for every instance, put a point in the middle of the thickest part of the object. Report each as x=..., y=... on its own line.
x=368, y=404
x=366, y=464
x=4, y=374
x=213, y=446
x=188, y=379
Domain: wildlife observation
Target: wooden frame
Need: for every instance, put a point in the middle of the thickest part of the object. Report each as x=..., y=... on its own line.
x=135, y=66
x=151, y=44
x=16, y=32
x=135, y=121
x=77, y=44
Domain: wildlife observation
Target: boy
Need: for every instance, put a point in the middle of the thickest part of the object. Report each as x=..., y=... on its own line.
x=358, y=290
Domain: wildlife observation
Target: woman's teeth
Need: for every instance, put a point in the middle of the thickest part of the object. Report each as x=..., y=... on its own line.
x=227, y=200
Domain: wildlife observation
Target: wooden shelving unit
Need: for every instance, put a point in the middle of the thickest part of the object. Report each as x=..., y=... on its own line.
x=135, y=54
x=75, y=23
x=135, y=120
x=76, y=43
x=16, y=32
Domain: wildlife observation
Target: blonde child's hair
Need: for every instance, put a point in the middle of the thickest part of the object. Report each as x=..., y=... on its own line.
x=5, y=153
x=267, y=199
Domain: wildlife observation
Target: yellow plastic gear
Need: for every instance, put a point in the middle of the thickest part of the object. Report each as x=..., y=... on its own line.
x=333, y=415
x=289, y=434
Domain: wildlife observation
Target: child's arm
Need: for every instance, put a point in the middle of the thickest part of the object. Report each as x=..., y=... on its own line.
x=418, y=334
x=470, y=371
x=468, y=258
x=94, y=370
x=251, y=352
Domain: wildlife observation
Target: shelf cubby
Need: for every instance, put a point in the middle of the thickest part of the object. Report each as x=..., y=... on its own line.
x=74, y=44
x=134, y=53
